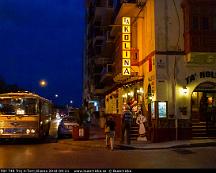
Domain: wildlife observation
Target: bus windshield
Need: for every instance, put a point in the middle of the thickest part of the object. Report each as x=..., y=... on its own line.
x=18, y=106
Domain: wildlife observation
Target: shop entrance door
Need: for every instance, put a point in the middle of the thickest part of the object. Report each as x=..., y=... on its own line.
x=203, y=110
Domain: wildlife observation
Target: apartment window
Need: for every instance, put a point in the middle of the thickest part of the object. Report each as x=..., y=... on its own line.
x=99, y=42
x=150, y=64
x=98, y=3
x=195, y=23
x=97, y=23
x=214, y=23
x=110, y=3
x=98, y=32
x=117, y=106
x=205, y=23
x=97, y=49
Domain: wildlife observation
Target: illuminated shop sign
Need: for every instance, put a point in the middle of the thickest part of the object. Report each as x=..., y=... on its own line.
x=126, y=46
x=202, y=74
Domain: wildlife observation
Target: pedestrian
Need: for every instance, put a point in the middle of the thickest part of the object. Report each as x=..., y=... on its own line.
x=127, y=118
x=110, y=132
x=141, y=119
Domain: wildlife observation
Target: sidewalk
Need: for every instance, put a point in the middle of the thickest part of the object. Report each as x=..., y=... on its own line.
x=97, y=133
x=168, y=144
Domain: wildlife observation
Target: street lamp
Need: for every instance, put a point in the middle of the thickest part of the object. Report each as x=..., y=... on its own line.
x=43, y=83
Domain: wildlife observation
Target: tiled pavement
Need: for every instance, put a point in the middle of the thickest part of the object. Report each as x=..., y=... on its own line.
x=97, y=133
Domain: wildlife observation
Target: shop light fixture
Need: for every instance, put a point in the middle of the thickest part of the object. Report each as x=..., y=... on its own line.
x=150, y=96
x=124, y=95
x=140, y=91
x=184, y=90
x=131, y=94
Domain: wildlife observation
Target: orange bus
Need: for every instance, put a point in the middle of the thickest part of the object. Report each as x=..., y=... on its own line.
x=24, y=115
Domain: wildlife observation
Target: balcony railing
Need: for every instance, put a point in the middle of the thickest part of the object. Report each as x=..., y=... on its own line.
x=104, y=3
x=101, y=61
x=107, y=73
x=107, y=69
x=98, y=40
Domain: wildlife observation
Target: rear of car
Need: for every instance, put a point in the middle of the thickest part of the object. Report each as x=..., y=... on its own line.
x=66, y=126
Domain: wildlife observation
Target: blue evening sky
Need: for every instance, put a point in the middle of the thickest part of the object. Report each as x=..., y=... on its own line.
x=43, y=39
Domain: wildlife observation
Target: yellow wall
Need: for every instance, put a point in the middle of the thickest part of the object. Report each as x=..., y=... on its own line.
x=149, y=46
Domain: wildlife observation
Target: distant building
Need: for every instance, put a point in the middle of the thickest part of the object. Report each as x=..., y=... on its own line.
x=159, y=54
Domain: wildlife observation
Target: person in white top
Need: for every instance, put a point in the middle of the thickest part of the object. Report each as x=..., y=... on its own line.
x=142, y=131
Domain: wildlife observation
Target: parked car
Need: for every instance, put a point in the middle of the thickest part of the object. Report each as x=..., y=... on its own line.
x=66, y=125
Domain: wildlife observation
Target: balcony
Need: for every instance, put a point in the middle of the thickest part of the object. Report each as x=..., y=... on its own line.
x=99, y=92
x=104, y=3
x=200, y=42
x=138, y=2
x=104, y=9
x=107, y=74
x=128, y=8
x=98, y=40
x=101, y=61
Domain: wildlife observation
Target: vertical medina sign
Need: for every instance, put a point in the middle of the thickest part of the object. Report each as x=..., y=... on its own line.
x=126, y=46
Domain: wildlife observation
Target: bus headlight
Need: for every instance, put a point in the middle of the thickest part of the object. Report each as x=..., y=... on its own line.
x=32, y=130
x=1, y=131
x=27, y=131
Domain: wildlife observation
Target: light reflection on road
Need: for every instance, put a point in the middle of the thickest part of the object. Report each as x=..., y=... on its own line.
x=67, y=153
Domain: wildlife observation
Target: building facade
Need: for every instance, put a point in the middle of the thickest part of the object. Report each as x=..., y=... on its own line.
x=163, y=61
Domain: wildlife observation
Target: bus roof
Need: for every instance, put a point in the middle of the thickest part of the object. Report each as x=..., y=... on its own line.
x=22, y=94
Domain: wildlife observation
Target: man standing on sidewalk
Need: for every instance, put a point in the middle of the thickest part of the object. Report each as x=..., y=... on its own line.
x=127, y=118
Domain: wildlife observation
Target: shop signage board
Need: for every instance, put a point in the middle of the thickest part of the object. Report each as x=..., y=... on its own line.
x=201, y=58
x=159, y=109
x=126, y=46
x=162, y=109
x=202, y=74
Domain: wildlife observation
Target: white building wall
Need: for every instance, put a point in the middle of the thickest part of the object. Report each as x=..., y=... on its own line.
x=169, y=64
x=148, y=28
x=169, y=25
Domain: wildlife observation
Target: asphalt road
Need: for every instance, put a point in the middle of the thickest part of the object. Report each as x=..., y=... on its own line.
x=67, y=153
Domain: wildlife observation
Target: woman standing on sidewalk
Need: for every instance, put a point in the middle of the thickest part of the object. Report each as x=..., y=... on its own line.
x=110, y=132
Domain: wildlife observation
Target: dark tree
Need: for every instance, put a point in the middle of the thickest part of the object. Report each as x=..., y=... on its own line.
x=4, y=87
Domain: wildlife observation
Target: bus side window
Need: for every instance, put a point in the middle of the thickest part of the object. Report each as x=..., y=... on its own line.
x=45, y=109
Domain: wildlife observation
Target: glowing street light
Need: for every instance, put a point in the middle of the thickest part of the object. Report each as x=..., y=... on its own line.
x=43, y=83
